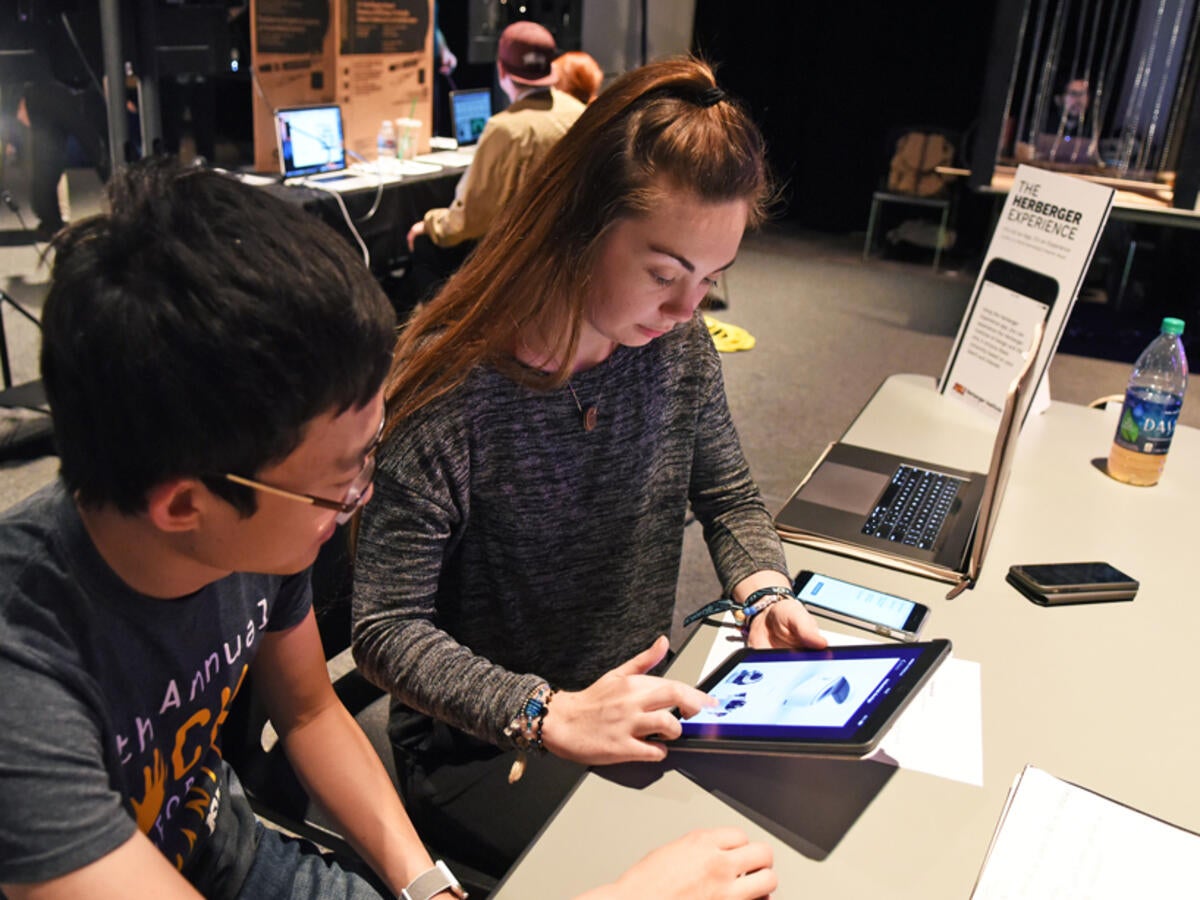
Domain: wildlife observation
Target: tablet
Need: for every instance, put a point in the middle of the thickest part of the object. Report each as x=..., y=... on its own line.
x=839, y=701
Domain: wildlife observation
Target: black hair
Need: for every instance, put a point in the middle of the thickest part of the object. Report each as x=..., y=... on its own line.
x=196, y=329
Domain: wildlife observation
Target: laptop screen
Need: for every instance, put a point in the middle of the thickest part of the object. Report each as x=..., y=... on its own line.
x=310, y=140
x=471, y=109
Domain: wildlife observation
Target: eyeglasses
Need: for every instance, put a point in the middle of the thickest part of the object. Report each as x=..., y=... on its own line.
x=356, y=494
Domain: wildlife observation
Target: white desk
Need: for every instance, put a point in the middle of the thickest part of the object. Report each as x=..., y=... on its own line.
x=1104, y=695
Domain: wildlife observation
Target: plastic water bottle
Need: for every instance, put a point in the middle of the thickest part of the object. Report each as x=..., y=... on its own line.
x=1152, y=403
x=385, y=141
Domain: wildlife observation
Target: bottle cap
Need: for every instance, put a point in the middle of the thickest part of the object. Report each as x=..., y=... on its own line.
x=1172, y=326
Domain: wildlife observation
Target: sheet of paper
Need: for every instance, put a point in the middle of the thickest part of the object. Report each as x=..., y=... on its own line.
x=939, y=733
x=994, y=345
x=1057, y=840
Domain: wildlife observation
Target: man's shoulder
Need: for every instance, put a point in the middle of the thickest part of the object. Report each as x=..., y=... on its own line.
x=31, y=531
x=536, y=111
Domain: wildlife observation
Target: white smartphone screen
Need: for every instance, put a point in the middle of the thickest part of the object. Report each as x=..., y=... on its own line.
x=857, y=601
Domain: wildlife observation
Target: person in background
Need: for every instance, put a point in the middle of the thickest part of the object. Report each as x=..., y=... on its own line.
x=512, y=145
x=579, y=75
x=552, y=415
x=128, y=624
x=444, y=57
x=66, y=106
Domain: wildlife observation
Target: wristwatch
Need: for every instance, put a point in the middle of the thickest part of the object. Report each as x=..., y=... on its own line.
x=432, y=882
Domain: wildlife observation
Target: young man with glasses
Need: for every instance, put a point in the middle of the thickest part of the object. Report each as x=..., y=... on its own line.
x=214, y=360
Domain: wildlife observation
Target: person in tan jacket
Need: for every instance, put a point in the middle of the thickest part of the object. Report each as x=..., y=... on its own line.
x=512, y=144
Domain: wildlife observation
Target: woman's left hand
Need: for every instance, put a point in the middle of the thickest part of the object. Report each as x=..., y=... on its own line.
x=785, y=624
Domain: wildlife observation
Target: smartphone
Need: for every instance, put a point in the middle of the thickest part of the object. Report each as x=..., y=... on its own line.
x=853, y=604
x=1058, y=584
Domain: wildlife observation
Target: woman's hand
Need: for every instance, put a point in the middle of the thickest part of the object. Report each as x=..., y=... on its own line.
x=785, y=624
x=713, y=864
x=624, y=716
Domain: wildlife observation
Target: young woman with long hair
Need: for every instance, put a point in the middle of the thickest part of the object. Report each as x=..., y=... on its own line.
x=552, y=414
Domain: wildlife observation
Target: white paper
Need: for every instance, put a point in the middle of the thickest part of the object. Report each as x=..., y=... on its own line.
x=941, y=731
x=1057, y=840
x=994, y=345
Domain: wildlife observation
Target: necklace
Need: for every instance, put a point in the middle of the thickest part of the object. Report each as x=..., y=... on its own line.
x=589, y=416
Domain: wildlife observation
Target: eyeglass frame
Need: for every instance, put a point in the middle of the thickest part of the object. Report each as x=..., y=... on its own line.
x=345, y=508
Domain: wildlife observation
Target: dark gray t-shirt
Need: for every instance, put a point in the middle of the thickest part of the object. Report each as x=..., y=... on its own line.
x=112, y=704
x=506, y=545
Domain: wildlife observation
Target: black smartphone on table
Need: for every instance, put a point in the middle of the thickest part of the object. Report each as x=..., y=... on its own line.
x=862, y=607
x=1058, y=584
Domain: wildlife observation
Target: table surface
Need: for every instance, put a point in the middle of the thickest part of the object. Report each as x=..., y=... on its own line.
x=1097, y=694
x=1138, y=202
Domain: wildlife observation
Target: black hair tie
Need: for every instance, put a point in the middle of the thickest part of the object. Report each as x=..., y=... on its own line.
x=710, y=97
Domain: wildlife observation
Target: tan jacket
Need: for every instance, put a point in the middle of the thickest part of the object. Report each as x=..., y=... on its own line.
x=512, y=144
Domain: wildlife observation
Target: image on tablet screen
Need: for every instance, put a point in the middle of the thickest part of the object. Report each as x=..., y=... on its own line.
x=821, y=693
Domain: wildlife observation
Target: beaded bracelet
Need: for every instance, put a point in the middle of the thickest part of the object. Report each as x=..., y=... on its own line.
x=759, y=601
x=743, y=612
x=525, y=729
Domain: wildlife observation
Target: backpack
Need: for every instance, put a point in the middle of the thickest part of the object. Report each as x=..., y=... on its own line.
x=912, y=167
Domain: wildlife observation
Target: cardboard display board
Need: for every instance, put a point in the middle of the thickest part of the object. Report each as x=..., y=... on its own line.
x=372, y=57
x=1034, y=266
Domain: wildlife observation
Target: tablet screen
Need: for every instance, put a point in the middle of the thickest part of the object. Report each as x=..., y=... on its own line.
x=841, y=698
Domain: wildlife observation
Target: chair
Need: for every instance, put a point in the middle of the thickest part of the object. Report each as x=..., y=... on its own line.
x=32, y=394
x=22, y=438
x=274, y=791
x=914, y=155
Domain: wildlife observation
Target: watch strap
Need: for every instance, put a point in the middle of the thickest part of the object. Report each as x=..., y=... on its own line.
x=432, y=882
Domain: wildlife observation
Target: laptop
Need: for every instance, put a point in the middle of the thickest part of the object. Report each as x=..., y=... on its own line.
x=912, y=515
x=470, y=109
x=312, y=149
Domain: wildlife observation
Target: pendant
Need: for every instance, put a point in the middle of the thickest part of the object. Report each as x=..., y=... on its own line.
x=590, y=417
x=517, y=769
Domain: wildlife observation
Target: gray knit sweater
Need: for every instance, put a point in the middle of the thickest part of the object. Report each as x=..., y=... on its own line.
x=506, y=546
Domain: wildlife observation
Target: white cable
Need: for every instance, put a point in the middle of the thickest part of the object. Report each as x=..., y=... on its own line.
x=370, y=213
x=345, y=215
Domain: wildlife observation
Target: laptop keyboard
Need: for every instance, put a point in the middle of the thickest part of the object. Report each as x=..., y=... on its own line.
x=914, y=507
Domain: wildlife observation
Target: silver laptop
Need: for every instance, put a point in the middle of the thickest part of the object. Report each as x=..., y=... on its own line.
x=908, y=514
x=312, y=149
x=470, y=109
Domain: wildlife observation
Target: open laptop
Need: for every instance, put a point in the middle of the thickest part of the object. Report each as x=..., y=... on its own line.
x=312, y=149
x=470, y=109
x=908, y=514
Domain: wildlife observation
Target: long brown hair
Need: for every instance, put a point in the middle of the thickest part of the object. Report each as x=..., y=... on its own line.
x=663, y=127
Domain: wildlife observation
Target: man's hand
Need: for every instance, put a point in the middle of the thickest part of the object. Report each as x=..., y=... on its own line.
x=614, y=719
x=714, y=864
x=785, y=624
x=414, y=232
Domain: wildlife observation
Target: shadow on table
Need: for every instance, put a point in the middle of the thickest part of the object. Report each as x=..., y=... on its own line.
x=808, y=803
